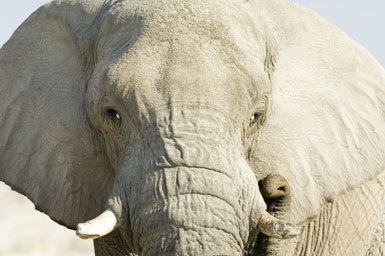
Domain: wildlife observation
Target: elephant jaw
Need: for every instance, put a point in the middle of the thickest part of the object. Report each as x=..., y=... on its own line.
x=106, y=222
x=102, y=225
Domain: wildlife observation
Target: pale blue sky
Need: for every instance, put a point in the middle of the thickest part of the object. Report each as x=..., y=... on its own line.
x=364, y=21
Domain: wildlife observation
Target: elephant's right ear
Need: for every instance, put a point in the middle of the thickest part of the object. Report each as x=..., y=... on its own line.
x=48, y=150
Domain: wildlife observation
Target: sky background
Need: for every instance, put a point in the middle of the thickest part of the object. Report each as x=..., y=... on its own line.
x=364, y=21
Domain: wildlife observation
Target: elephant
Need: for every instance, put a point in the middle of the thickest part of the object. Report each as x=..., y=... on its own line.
x=198, y=127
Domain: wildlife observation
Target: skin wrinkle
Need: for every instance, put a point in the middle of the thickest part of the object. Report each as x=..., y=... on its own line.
x=176, y=144
x=160, y=227
x=154, y=230
x=202, y=244
x=168, y=166
x=151, y=145
x=164, y=192
x=199, y=229
x=167, y=198
x=200, y=132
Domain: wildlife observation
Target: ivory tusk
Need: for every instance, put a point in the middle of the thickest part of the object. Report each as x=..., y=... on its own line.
x=276, y=228
x=98, y=227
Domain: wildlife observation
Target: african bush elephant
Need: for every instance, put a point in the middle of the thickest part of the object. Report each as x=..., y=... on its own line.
x=196, y=127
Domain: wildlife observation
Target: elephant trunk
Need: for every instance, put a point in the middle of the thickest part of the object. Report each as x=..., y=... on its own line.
x=189, y=211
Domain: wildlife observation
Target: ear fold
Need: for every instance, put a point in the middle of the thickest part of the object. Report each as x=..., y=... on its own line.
x=48, y=150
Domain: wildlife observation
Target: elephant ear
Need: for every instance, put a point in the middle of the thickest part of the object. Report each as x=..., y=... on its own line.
x=325, y=131
x=48, y=150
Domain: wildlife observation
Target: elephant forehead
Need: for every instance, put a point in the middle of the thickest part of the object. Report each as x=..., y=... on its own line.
x=171, y=66
x=183, y=71
x=183, y=50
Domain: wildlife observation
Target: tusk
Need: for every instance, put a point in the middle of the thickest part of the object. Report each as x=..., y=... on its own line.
x=98, y=227
x=276, y=228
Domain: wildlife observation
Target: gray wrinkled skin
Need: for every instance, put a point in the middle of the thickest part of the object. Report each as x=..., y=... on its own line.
x=171, y=112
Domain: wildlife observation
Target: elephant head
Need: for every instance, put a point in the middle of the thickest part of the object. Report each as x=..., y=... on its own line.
x=159, y=118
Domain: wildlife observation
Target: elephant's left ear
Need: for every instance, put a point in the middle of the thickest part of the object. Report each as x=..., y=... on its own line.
x=48, y=150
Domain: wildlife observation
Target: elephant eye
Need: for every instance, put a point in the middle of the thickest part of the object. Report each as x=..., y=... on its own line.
x=112, y=113
x=255, y=117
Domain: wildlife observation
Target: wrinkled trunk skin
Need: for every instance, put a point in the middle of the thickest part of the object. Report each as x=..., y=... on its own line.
x=192, y=217
x=197, y=211
x=183, y=194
